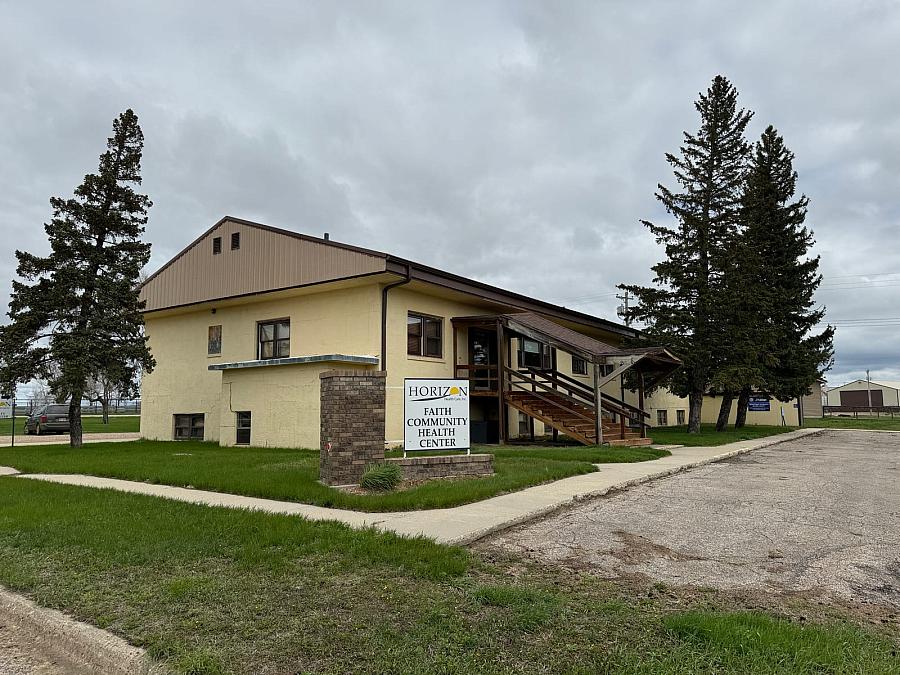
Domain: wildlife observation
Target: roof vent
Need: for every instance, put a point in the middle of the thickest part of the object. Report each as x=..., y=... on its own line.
x=326, y=236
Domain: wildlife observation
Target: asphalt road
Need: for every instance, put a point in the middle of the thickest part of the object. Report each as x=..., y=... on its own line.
x=819, y=515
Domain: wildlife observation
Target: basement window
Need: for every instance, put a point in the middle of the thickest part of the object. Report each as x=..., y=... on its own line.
x=235, y=241
x=579, y=366
x=424, y=335
x=243, y=428
x=217, y=245
x=189, y=427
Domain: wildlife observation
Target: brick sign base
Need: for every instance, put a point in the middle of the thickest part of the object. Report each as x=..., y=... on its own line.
x=352, y=424
x=444, y=466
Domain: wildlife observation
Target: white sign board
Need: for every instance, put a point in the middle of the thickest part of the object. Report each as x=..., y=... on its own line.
x=5, y=408
x=435, y=414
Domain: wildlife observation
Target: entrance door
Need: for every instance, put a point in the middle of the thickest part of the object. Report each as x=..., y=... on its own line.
x=483, y=352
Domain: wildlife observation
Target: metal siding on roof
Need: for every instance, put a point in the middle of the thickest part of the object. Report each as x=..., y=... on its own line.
x=265, y=261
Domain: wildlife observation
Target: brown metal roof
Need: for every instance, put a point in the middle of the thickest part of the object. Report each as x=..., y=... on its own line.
x=267, y=260
x=583, y=345
x=291, y=259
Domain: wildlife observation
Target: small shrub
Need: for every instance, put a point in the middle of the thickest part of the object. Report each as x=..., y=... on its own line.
x=381, y=477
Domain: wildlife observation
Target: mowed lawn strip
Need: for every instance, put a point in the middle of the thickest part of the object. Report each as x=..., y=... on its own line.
x=883, y=423
x=292, y=475
x=118, y=424
x=708, y=436
x=212, y=590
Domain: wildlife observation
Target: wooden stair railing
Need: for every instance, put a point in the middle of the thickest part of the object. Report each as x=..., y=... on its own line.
x=533, y=393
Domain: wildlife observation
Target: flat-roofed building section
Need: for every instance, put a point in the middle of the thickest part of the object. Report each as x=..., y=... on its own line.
x=237, y=258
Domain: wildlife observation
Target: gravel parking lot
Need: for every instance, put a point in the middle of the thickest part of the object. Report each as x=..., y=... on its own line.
x=819, y=515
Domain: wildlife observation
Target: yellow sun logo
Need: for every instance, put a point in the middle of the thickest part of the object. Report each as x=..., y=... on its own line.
x=454, y=391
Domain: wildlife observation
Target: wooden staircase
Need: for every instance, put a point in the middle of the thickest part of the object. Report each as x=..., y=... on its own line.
x=572, y=418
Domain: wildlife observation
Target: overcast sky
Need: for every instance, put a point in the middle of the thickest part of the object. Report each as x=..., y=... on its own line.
x=518, y=143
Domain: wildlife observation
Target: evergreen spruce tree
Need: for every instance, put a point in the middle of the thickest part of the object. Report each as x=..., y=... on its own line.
x=685, y=307
x=779, y=279
x=76, y=313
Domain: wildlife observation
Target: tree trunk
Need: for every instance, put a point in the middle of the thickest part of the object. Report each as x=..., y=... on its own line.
x=743, y=401
x=724, y=411
x=75, y=429
x=104, y=402
x=695, y=401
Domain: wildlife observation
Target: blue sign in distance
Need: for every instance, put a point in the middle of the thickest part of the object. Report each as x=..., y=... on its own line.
x=758, y=404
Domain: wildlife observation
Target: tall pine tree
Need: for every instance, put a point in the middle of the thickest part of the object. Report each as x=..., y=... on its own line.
x=779, y=279
x=685, y=307
x=77, y=314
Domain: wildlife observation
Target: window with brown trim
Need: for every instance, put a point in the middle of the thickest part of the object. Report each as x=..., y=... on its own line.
x=214, y=341
x=579, y=365
x=424, y=335
x=217, y=245
x=274, y=339
x=235, y=241
x=533, y=354
x=189, y=427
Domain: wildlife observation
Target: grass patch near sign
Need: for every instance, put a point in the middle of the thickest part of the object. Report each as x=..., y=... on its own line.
x=883, y=423
x=292, y=475
x=211, y=590
x=708, y=435
x=118, y=424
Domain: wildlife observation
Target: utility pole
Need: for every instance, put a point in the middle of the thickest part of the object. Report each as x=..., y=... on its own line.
x=622, y=310
x=869, y=390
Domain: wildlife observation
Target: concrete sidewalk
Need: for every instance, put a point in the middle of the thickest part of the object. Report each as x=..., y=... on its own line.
x=461, y=524
x=63, y=439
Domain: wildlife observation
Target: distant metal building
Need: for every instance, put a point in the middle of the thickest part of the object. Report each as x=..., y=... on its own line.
x=857, y=394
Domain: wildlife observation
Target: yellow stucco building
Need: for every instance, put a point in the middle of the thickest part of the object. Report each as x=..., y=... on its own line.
x=243, y=321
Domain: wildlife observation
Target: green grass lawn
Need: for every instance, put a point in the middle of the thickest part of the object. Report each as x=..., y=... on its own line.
x=293, y=474
x=709, y=436
x=92, y=425
x=883, y=423
x=213, y=590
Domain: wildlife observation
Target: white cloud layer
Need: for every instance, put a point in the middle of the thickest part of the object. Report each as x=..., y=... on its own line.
x=515, y=142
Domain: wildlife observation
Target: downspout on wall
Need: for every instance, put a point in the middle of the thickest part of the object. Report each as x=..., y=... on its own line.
x=384, y=307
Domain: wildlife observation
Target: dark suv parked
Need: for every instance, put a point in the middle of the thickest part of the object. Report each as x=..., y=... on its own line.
x=49, y=419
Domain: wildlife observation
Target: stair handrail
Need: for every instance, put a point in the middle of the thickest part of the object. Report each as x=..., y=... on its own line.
x=535, y=382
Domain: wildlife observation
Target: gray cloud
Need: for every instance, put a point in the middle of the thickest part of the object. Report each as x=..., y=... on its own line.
x=518, y=143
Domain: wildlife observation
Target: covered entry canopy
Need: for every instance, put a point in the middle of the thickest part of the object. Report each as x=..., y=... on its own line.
x=654, y=363
x=565, y=403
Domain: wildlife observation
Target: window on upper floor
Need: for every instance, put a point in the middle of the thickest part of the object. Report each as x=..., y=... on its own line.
x=274, y=339
x=217, y=245
x=214, y=341
x=579, y=366
x=235, y=241
x=424, y=335
x=531, y=353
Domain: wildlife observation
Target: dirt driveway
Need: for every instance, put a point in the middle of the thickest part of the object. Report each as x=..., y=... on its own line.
x=819, y=514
